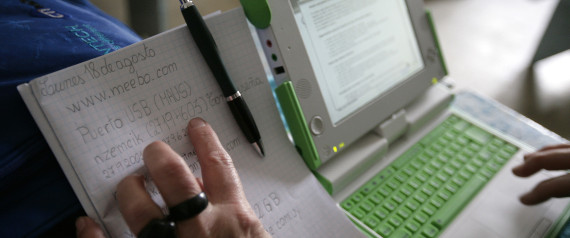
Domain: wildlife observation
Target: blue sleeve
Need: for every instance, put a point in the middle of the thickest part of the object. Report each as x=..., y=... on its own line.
x=39, y=37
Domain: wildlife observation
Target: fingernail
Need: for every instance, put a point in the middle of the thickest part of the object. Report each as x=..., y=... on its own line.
x=526, y=156
x=517, y=168
x=526, y=199
x=80, y=224
x=520, y=171
x=197, y=122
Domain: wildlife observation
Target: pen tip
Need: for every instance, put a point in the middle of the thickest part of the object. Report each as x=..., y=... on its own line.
x=259, y=148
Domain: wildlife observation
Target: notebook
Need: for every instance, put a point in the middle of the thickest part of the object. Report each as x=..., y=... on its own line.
x=359, y=85
x=98, y=116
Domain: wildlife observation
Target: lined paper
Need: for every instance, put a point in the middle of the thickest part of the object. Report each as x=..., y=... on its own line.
x=99, y=115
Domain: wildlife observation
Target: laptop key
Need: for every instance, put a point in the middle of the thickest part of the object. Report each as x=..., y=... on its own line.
x=413, y=205
x=420, y=197
x=414, y=183
x=421, y=217
x=384, y=229
x=366, y=206
x=511, y=149
x=401, y=233
x=410, y=154
x=429, y=209
x=486, y=173
x=371, y=221
x=395, y=221
x=497, y=142
x=446, y=213
x=357, y=197
x=461, y=125
x=384, y=191
x=347, y=204
x=376, y=198
x=390, y=206
x=478, y=135
x=404, y=213
x=358, y=213
x=398, y=197
x=444, y=195
x=430, y=231
x=381, y=213
x=433, y=135
x=412, y=226
x=407, y=190
x=463, y=140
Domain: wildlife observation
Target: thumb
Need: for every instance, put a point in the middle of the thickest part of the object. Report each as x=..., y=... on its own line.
x=87, y=228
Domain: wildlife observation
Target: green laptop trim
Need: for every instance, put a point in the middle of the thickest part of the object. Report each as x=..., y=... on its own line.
x=257, y=12
x=436, y=39
x=297, y=124
x=324, y=182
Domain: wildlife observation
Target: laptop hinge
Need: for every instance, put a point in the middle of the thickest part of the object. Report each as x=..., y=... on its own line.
x=341, y=170
x=407, y=121
x=432, y=103
x=393, y=127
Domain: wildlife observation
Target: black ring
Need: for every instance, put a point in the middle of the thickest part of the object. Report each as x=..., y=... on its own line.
x=189, y=208
x=158, y=228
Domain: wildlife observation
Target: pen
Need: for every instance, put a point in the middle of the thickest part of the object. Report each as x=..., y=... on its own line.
x=209, y=50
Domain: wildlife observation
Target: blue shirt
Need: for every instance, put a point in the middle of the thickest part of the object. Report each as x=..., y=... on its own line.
x=36, y=38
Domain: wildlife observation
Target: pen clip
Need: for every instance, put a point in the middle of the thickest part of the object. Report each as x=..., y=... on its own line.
x=257, y=12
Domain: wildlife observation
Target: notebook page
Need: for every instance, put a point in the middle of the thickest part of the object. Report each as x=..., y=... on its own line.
x=106, y=110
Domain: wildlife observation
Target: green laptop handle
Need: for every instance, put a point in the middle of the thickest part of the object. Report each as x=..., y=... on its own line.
x=257, y=12
x=436, y=39
x=297, y=124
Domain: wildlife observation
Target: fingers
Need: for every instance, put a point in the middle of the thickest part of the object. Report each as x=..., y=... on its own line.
x=219, y=175
x=87, y=228
x=135, y=203
x=170, y=173
x=228, y=206
x=173, y=179
x=552, y=158
x=554, y=187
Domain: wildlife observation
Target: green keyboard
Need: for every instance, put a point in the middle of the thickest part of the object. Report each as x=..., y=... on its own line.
x=422, y=191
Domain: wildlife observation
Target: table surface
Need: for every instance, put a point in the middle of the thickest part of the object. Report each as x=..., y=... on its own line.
x=489, y=45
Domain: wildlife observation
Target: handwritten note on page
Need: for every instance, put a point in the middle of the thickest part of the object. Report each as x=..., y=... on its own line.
x=99, y=115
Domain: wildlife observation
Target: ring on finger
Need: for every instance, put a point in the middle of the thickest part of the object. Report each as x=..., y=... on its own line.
x=189, y=208
x=158, y=228
x=183, y=211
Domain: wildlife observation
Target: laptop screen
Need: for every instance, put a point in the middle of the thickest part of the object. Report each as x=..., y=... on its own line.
x=358, y=49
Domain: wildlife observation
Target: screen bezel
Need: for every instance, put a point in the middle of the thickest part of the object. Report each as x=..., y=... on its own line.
x=366, y=118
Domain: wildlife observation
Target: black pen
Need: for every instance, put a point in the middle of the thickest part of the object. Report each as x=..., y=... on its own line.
x=209, y=50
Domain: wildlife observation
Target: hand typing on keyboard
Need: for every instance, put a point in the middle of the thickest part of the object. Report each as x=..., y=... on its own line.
x=556, y=157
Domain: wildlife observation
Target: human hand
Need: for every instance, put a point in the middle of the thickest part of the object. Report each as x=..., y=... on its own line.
x=555, y=157
x=228, y=213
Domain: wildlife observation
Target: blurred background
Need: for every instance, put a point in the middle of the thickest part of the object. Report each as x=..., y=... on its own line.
x=514, y=51
x=149, y=17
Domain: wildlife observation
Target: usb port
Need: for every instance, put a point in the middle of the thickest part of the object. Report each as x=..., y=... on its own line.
x=279, y=70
